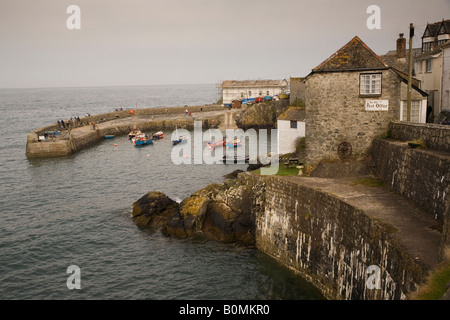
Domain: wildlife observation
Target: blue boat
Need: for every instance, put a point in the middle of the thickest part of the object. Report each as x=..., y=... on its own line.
x=179, y=140
x=248, y=101
x=233, y=144
x=109, y=136
x=142, y=140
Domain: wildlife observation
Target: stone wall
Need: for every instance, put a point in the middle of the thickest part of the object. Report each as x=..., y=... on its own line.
x=335, y=113
x=422, y=176
x=436, y=137
x=329, y=242
x=297, y=90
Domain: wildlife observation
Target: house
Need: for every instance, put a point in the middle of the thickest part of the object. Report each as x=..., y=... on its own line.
x=429, y=62
x=290, y=127
x=350, y=99
x=251, y=89
x=445, y=83
x=398, y=58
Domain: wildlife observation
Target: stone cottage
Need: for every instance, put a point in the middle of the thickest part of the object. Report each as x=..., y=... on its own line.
x=350, y=99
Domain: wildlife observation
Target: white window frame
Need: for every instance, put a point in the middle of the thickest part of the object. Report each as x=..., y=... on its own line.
x=429, y=65
x=421, y=112
x=370, y=84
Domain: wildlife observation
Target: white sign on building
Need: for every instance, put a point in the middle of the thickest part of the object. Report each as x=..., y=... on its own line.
x=377, y=105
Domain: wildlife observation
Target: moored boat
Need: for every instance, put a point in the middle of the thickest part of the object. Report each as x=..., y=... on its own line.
x=216, y=143
x=158, y=135
x=133, y=133
x=142, y=140
x=180, y=139
x=234, y=143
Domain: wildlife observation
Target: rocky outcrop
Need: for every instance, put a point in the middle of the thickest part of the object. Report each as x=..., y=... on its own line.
x=153, y=210
x=220, y=212
x=261, y=115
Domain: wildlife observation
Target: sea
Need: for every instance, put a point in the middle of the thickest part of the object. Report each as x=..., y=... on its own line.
x=56, y=213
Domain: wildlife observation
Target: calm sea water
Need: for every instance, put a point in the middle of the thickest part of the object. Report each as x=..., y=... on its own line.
x=76, y=210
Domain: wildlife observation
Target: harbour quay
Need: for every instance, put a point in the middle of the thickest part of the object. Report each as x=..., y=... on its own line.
x=55, y=141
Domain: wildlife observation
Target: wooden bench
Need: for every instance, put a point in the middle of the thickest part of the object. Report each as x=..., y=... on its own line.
x=292, y=161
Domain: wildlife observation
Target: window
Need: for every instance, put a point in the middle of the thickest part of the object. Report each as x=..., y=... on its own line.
x=267, y=93
x=293, y=124
x=249, y=94
x=426, y=46
x=429, y=65
x=419, y=66
x=370, y=84
x=242, y=95
x=415, y=111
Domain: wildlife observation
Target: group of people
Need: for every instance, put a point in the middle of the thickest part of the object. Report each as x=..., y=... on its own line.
x=72, y=122
x=188, y=113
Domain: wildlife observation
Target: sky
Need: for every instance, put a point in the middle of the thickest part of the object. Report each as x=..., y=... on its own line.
x=159, y=42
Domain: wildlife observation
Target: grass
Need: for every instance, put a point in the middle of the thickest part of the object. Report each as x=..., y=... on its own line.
x=369, y=181
x=298, y=103
x=435, y=287
x=283, y=171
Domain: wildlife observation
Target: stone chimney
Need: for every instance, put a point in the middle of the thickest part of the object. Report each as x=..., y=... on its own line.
x=401, y=47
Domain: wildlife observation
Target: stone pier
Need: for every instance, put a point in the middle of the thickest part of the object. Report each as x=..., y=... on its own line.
x=119, y=123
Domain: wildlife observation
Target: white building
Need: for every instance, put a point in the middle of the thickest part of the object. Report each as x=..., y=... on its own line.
x=429, y=65
x=445, y=83
x=290, y=126
x=251, y=89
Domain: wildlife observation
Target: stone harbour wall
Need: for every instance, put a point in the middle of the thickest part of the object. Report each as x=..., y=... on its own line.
x=331, y=243
x=420, y=175
x=112, y=124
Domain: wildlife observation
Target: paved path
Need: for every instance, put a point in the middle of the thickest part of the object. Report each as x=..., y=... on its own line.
x=414, y=226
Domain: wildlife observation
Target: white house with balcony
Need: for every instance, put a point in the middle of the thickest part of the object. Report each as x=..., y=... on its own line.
x=251, y=89
x=445, y=83
x=429, y=65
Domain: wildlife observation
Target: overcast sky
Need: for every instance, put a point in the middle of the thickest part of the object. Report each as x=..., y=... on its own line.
x=148, y=42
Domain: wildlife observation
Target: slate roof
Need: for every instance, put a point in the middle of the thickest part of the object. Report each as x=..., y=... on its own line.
x=355, y=55
x=390, y=58
x=433, y=28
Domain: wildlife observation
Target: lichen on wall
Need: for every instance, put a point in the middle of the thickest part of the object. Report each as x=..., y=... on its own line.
x=331, y=243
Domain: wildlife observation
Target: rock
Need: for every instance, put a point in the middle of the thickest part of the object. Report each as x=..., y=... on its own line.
x=153, y=209
x=221, y=212
x=233, y=175
x=261, y=115
x=190, y=217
